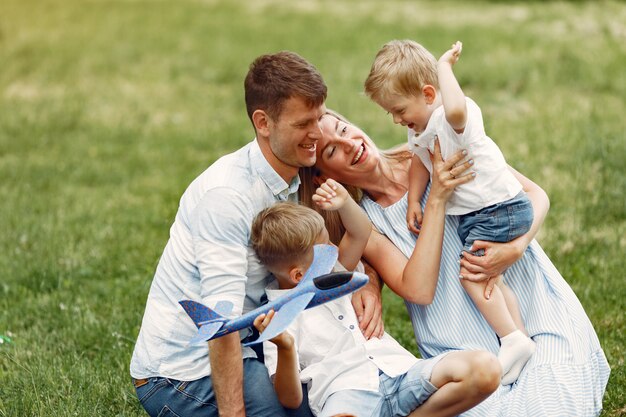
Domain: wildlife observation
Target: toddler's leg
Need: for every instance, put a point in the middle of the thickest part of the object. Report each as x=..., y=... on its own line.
x=515, y=347
x=511, y=302
x=494, y=309
x=463, y=379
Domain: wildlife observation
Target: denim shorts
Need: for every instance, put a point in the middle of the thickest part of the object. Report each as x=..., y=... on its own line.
x=164, y=397
x=397, y=396
x=500, y=222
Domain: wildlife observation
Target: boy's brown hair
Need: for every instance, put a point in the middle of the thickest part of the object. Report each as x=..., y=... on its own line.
x=274, y=78
x=402, y=68
x=285, y=232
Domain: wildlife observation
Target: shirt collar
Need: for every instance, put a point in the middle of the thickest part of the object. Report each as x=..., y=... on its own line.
x=274, y=182
x=272, y=290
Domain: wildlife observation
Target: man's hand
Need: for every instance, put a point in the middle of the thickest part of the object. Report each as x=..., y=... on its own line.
x=367, y=303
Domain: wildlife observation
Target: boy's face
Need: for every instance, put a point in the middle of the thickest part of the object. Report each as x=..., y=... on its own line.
x=411, y=111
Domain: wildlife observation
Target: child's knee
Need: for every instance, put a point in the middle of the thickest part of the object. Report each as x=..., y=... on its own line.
x=485, y=372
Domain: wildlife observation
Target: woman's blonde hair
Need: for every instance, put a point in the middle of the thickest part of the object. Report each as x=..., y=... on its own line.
x=401, y=68
x=285, y=232
x=310, y=179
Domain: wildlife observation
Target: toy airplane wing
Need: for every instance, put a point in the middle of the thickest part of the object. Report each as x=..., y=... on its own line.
x=283, y=317
x=206, y=332
x=206, y=320
x=201, y=314
x=324, y=259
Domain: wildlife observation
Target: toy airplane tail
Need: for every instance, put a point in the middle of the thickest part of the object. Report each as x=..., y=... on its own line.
x=208, y=321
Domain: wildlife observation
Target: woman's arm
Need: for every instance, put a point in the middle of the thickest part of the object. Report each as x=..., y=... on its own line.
x=499, y=256
x=416, y=280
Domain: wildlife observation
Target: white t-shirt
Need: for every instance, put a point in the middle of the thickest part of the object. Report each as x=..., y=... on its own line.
x=494, y=183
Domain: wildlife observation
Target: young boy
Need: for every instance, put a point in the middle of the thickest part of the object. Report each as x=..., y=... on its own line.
x=424, y=95
x=324, y=347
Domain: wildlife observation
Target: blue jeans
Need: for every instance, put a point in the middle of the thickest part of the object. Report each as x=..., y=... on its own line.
x=163, y=397
x=500, y=222
x=397, y=396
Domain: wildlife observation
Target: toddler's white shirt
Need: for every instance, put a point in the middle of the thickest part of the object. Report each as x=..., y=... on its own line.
x=494, y=183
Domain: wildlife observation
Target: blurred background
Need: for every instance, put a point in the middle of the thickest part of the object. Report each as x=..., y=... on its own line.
x=110, y=108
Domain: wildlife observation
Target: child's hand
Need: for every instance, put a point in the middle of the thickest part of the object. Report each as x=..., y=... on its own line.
x=283, y=340
x=330, y=195
x=414, y=217
x=452, y=55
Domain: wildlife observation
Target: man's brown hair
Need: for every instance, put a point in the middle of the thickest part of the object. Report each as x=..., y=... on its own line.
x=274, y=78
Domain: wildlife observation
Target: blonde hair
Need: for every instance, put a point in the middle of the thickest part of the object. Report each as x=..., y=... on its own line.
x=310, y=180
x=401, y=68
x=285, y=232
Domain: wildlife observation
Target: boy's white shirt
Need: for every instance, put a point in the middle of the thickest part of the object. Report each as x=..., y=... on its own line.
x=494, y=183
x=333, y=354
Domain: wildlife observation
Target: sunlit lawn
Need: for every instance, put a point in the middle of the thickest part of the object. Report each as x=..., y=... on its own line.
x=108, y=109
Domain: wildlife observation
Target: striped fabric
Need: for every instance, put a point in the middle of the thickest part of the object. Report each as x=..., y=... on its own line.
x=568, y=373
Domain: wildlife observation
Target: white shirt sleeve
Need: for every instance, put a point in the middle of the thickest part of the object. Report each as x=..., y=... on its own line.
x=220, y=234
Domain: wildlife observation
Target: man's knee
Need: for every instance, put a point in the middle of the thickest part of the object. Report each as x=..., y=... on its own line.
x=258, y=391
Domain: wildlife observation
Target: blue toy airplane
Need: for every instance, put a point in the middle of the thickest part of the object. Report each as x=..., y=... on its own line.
x=318, y=286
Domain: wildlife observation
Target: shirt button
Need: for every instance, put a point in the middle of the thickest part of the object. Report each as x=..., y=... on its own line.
x=371, y=357
x=352, y=327
x=340, y=317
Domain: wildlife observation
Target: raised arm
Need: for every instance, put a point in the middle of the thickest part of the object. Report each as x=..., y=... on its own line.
x=452, y=95
x=499, y=256
x=333, y=196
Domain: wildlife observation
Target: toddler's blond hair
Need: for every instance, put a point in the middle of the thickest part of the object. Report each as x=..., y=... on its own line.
x=401, y=68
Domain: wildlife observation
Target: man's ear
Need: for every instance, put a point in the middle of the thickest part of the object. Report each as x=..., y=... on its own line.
x=295, y=274
x=430, y=93
x=261, y=121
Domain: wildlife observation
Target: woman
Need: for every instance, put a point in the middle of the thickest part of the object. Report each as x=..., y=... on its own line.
x=568, y=373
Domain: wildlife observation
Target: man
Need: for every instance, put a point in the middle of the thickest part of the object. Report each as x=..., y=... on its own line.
x=208, y=257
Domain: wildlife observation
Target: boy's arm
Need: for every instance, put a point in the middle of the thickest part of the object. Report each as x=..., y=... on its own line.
x=286, y=379
x=333, y=196
x=418, y=179
x=452, y=96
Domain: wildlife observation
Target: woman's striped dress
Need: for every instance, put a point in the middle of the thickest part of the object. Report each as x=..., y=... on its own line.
x=568, y=373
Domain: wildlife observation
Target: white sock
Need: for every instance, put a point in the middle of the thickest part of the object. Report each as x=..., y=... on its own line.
x=515, y=350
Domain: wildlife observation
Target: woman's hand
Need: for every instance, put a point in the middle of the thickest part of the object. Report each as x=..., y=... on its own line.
x=498, y=257
x=448, y=174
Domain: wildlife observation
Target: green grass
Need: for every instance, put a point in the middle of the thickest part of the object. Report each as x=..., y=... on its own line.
x=108, y=109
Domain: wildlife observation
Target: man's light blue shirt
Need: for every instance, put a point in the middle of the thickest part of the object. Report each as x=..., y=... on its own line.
x=208, y=258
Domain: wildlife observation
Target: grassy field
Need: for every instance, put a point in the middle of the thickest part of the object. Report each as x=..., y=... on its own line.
x=108, y=109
